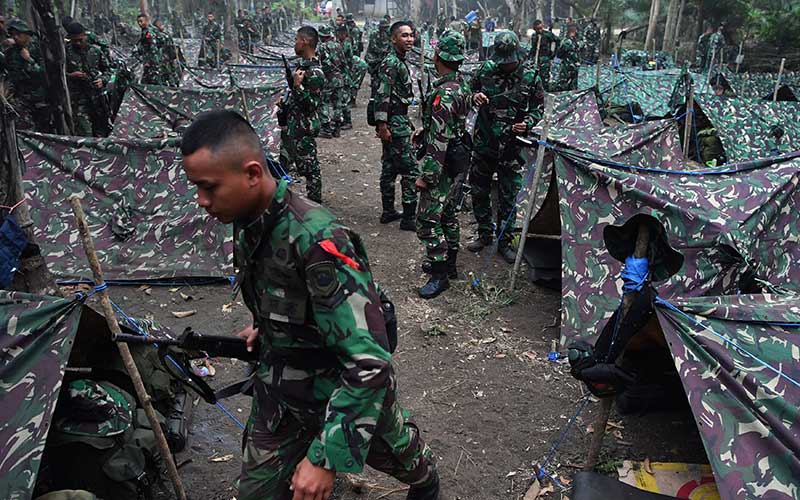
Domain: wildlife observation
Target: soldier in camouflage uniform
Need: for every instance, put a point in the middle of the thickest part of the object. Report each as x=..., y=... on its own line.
x=87, y=72
x=716, y=42
x=298, y=137
x=211, y=47
x=510, y=96
x=701, y=49
x=25, y=72
x=591, y=41
x=265, y=25
x=334, y=99
x=444, y=112
x=348, y=76
x=151, y=50
x=377, y=49
x=393, y=94
x=324, y=394
x=548, y=44
x=356, y=34
x=569, y=53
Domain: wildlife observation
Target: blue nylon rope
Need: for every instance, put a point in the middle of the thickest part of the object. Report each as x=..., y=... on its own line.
x=542, y=468
x=725, y=339
x=634, y=274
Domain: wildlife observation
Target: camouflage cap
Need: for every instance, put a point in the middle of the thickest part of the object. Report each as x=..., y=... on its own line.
x=325, y=31
x=19, y=26
x=506, y=48
x=93, y=408
x=451, y=46
x=349, y=16
x=75, y=29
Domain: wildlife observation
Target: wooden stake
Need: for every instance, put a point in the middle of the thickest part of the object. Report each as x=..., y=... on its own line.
x=537, y=174
x=688, y=118
x=739, y=57
x=778, y=81
x=127, y=358
x=642, y=244
x=536, y=58
x=597, y=75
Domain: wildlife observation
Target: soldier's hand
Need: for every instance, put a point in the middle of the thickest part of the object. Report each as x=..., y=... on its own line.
x=420, y=184
x=298, y=77
x=480, y=99
x=383, y=132
x=77, y=74
x=98, y=83
x=519, y=128
x=310, y=482
x=249, y=334
x=25, y=54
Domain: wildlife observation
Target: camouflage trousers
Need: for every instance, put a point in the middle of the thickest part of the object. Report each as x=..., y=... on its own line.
x=509, y=182
x=437, y=220
x=567, y=78
x=334, y=101
x=398, y=159
x=154, y=74
x=33, y=116
x=544, y=71
x=357, y=76
x=271, y=456
x=299, y=156
x=208, y=55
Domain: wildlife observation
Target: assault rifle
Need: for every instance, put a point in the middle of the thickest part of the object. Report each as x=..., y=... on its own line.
x=176, y=356
x=283, y=109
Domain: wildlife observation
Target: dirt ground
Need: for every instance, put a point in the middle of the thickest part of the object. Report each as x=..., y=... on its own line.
x=471, y=366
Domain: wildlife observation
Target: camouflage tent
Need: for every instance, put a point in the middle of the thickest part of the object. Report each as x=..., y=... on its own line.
x=624, y=86
x=233, y=76
x=762, y=85
x=138, y=203
x=36, y=335
x=745, y=126
x=738, y=357
x=159, y=112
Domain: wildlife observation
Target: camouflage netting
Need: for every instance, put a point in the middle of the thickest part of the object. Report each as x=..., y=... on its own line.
x=139, y=205
x=36, y=335
x=744, y=126
x=747, y=413
x=150, y=112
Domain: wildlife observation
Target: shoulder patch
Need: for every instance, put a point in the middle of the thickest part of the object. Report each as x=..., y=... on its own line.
x=321, y=278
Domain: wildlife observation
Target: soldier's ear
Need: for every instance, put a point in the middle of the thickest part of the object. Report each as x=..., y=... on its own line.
x=255, y=171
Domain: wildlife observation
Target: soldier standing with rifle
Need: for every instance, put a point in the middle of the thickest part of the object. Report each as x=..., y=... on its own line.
x=24, y=67
x=510, y=97
x=446, y=157
x=300, y=113
x=87, y=73
x=210, y=49
x=543, y=46
x=324, y=392
x=393, y=94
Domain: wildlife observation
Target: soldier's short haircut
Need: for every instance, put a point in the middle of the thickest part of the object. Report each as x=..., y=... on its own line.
x=399, y=24
x=310, y=34
x=216, y=129
x=537, y=22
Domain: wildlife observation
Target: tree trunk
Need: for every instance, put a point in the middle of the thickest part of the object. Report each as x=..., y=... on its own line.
x=698, y=27
x=669, y=30
x=678, y=24
x=32, y=275
x=231, y=39
x=53, y=51
x=651, y=26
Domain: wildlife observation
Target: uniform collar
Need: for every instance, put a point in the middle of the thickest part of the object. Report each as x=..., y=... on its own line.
x=450, y=77
x=397, y=53
x=253, y=233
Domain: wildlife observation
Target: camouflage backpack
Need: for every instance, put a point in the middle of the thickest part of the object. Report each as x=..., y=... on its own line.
x=100, y=442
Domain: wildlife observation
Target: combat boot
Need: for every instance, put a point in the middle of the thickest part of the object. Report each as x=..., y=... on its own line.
x=437, y=283
x=479, y=243
x=409, y=213
x=452, y=271
x=347, y=125
x=337, y=130
x=389, y=213
x=325, y=132
x=506, y=252
x=429, y=491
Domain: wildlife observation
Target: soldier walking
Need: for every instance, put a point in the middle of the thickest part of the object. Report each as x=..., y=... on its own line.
x=569, y=53
x=393, y=94
x=25, y=71
x=444, y=114
x=510, y=96
x=547, y=44
x=324, y=393
x=298, y=136
x=331, y=58
x=151, y=50
x=87, y=72
x=211, y=47
x=345, y=95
